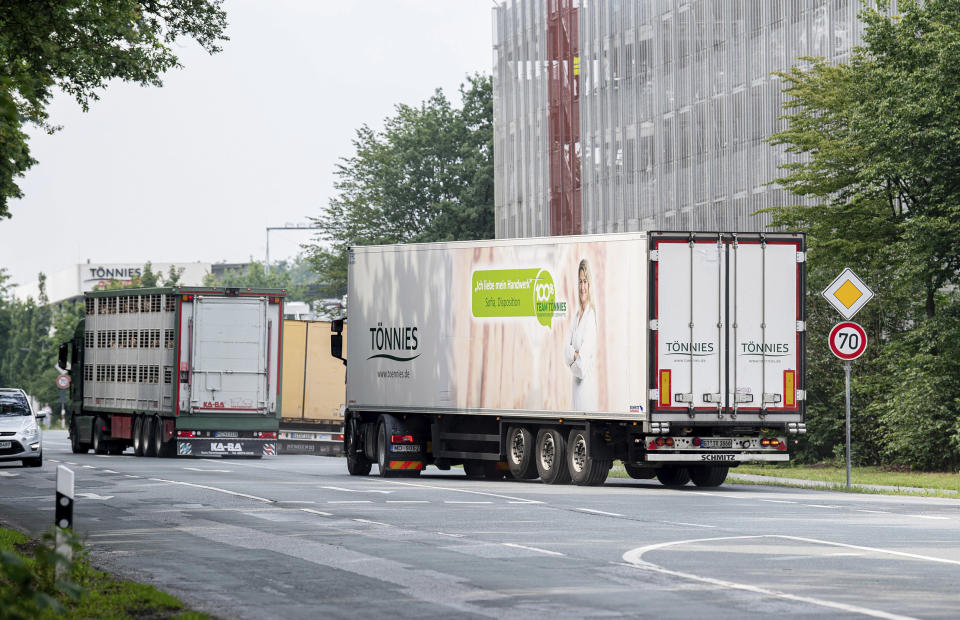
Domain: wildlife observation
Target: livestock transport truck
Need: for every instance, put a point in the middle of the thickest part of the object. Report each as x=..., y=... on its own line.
x=183, y=371
x=680, y=354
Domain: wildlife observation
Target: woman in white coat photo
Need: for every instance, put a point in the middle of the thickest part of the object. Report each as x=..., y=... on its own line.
x=580, y=350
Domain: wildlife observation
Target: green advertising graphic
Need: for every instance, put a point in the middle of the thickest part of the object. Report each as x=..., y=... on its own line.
x=500, y=293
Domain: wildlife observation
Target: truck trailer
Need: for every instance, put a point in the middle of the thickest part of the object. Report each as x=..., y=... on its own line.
x=179, y=371
x=311, y=420
x=679, y=354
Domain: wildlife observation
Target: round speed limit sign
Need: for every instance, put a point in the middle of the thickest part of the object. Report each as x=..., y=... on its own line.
x=63, y=382
x=848, y=340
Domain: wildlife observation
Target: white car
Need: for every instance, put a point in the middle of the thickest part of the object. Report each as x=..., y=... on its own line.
x=20, y=434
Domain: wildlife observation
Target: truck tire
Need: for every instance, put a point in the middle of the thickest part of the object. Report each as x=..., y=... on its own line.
x=673, y=476
x=138, y=436
x=357, y=464
x=75, y=444
x=99, y=445
x=474, y=469
x=146, y=437
x=551, y=457
x=584, y=470
x=709, y=476
x=164, y=448
x=382, y=454
x=638, y=472
x=520, y=453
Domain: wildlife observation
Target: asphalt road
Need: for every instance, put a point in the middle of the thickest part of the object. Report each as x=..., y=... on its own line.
x=296, y=537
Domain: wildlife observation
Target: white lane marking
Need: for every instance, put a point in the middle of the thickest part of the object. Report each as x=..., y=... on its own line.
x=778, y=501
x=453, y=501
x=109, y=471
x=7, y=474
x=688, y=524
x=353, y=501
x=295, y=501
x=373, y=522
x=102, y=456
x=821, y=506
x=218, y=490
x=929, y=517
x=219, y=471
x=537, y=549
x=634, y=557
x=599, y=512
x=450, y=535
x=89, y=467
x=517, y=500
x=356, y=490
x=54, y=461
x=94, y=496
x=408, y=501
x=70, y=463
x=876, y=512
x=131, y=476
x=317, y=512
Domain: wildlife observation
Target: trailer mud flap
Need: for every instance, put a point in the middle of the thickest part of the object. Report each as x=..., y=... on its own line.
x=219, y=447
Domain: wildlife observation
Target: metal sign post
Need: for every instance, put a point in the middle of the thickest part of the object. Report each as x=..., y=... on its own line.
x=846, y=369
x=848, y=340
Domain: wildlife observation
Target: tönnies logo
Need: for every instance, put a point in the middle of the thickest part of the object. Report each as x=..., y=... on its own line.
x=394, y=343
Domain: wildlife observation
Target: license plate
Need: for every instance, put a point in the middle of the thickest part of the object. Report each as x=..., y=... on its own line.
x=227, y=434
x=405, y=448
x=6, y=444
x=716, y=443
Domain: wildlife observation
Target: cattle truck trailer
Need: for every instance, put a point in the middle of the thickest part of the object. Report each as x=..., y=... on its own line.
x=679, y=354
x=185, y=371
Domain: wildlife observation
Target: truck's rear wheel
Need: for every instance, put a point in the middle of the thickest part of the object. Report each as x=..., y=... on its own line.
x=551, y=457
x=99, y=445
x=164, y=448
x=584, y=470
x=382, y=452
x=639, y=472
x=709, y=476
x=357, y=464
x=146, y=437
x=75, y=444
x=520, y=453
x=138, y=436
x=673, y=476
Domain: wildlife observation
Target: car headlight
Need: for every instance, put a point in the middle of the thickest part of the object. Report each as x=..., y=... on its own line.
x=31, y=434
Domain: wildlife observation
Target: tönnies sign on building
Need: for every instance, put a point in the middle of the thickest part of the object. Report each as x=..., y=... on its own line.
x=73, y=281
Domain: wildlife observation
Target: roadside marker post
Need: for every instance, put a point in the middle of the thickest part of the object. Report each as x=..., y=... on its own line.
x=847, y=340
x=64, y=514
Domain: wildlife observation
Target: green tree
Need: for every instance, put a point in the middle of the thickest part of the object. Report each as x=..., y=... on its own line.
x=426, y=176
x=296, y=277
x=880, y=140
x=77, y=47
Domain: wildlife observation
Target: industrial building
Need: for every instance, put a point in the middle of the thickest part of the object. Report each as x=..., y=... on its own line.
x=624, y=115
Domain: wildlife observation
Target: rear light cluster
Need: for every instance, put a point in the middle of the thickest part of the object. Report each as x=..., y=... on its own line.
x=338, y=437
x=186, y=434
x=773, y=442
x=661, y=441
x=265, y=434
x=401, y=438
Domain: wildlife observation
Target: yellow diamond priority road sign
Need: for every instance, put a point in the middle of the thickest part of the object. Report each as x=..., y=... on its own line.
x=848, y=294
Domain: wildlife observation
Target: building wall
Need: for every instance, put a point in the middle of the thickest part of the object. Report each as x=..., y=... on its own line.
x=677, y=99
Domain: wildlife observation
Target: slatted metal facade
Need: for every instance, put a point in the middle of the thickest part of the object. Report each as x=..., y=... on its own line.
x=676, y=99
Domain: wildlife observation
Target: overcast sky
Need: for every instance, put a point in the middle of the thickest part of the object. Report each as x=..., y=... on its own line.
x=235, y=142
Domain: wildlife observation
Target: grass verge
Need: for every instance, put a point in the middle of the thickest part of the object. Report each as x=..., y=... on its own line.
x=30, y=587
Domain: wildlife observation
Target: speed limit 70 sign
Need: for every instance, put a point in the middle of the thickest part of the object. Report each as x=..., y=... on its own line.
x=848, y=340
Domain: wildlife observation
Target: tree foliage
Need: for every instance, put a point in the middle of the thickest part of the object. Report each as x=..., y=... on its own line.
x=426, y=176
x=880, y=138
x=30, y=334
x=77, y=47
x=295, y=276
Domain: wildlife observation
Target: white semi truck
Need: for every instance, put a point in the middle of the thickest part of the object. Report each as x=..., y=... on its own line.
x=680, y=354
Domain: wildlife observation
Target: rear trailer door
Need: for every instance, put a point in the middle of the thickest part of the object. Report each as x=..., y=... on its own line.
x=232, y=342
x=727, y=326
